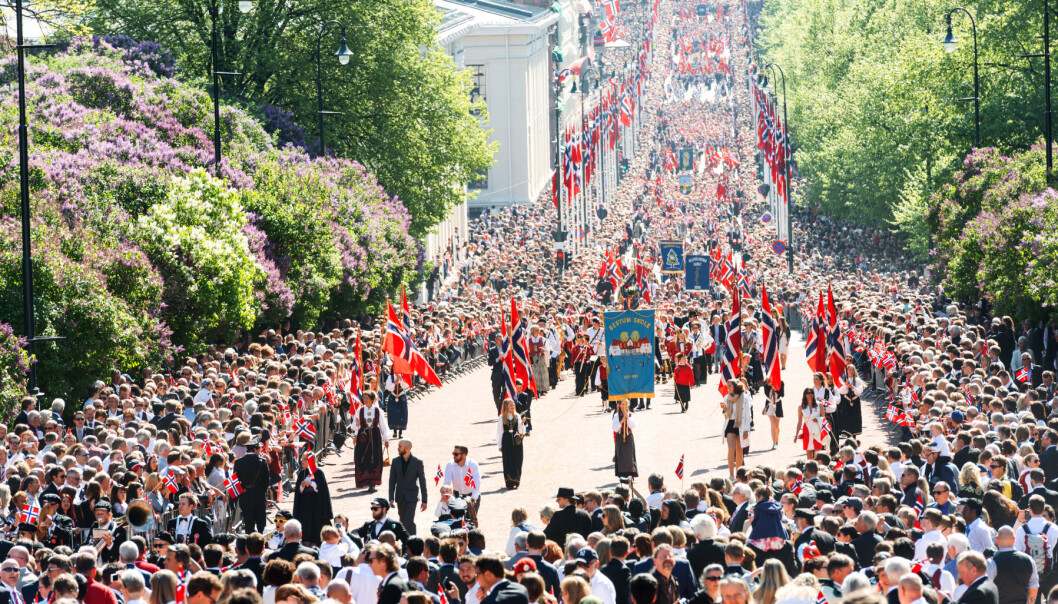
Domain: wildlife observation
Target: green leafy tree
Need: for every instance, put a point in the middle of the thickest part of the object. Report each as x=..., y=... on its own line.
x=405, y=108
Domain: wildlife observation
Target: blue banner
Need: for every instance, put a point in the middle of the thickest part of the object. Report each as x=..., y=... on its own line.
x=671, y=256
x=630, y=353
x=698, y=272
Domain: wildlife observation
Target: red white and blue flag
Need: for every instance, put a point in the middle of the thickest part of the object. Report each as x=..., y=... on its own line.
x=170, y=482
x=835, y=342
x=770, y=333
x=305, y=429
x=30, y=513
x=438, y=476
x=679, y=468
x=310, y=462
x=233, y=486
x=506, y=358
x=815, y=347
x=1022, y=375
x=520, y=351
x=405, y=356
x=731, y=365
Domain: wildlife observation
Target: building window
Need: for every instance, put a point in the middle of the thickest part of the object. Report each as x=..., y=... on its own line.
x=480, y=181
x=477, y=83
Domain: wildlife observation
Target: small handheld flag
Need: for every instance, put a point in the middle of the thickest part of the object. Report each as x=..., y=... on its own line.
x=30, y=513
x=233, y=486
x=310, y=463
x=305, y=429
x=469, y=481
x=679, y=468
x=1022, y=375
x=437, y=477
x=170, y=482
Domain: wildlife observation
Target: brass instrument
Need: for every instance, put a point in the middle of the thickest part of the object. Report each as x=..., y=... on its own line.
x=139, y=517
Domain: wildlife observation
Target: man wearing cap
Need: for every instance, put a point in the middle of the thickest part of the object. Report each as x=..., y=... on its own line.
x=252, y=472
x=568, y=519
x=108, y=543
x=601, y=586
x=804, y=520
x=937, y=468
x=380, y=523
x=186, y=527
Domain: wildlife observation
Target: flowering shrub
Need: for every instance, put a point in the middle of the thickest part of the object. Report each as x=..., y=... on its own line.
x=14, y=366
x=135, y=240
x=998, y=233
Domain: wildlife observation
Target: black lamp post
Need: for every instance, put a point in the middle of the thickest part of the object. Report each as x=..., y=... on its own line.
x=343, y=55
x=23, y=181
x=786, y=175
x=949, y=43
x=1047, y=84
x=245, y=6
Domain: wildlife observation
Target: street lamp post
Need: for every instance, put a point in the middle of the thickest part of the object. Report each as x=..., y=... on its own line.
x=245, y=6
x=949, y=43
x=23, y=181
x=786, y=175
x=343, y=55
x=1047, y=84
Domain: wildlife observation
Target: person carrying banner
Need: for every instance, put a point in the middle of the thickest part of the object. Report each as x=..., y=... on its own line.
x=624, y=421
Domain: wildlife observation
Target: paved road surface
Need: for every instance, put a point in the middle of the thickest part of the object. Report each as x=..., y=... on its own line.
x=572, y=444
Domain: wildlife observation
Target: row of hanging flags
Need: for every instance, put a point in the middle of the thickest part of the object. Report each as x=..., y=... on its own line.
x=731, y=364
x=772, y=134
x=582, y=143
x=403, y=353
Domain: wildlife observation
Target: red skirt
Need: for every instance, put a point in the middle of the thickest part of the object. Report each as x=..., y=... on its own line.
x=809, y=443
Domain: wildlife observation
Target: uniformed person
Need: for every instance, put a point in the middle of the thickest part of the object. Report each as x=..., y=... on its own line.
x=253, y=475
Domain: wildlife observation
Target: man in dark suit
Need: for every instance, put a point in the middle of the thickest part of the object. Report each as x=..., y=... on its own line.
x=491, y=581
x=1049, y=455
x=707, y=551
x=496, y=363
x=252, y=472
x=162, y=422
x=535, y=542
x=805, y=520
x=568, y=519
x=973, y=572
x=1036, y=487
x=681, y=569
x=738, y=518
x=380, y=523
x=385, y=563
x=867, y=525
x=964, y=451
x=188, y=528
x=407, y=479
x=255, y=544
x=617, y=571
x=292, y=543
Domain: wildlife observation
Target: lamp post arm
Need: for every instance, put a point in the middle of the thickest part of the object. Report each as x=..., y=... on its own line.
x=319, y=77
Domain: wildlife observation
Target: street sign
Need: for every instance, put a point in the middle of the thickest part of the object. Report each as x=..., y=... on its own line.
x=779, y=247
x=701, y=10
x=559, y=246
x=766, y=218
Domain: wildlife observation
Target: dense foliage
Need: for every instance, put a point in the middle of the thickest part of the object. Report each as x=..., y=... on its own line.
x=139, y=251
x=14, y=366
x=997, y=233
x=404, y=108
x=875, y=109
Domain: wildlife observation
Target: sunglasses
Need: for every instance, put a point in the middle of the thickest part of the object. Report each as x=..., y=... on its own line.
x=712, y=578
x=995, y=467
x=375, y=507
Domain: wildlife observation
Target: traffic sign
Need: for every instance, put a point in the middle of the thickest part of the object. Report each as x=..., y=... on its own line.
x=766, y=218
x=779, y=247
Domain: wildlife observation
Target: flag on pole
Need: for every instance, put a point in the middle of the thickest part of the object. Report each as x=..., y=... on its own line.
x=770, y=333
x=305, y=429
x=310, y=462
x=731, y=366
x=835, y=342
x=520, y=351
x=170, y=482
x=679, y=468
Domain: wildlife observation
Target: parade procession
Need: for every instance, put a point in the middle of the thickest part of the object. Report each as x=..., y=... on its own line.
x=711, y=351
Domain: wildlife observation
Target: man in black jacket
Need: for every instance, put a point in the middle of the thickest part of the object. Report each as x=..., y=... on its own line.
x=973, y=573
x=706, y=551
x=617, y=571
x=1049, y=454
x=252, y=472
x=534, y=544
x=292, y=547
x=380, y=523
x=407, y=479
x=492, y=582
x=805, y=520
x=865, y=544
x=385, y=563
x=964, y=451
x=568, y=519
x=496, y=362
x=255, y=544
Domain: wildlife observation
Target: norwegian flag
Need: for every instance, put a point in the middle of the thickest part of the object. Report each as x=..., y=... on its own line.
x=891, y=413
x=405, y=356
x=731, y=366
x=1022, y=375
x=520, y=351
x=815, y=348
x=438, y=476
x=820, y=598
x=441, y=597
x=286, y=417
x=770, y=333
x=903, y=419
x=235, y=377
x=170, y=482
x=181, y=592
x=612, y=9
x=920, y=504
x=469, y=481
x=310, y=462
x=506, y=358
x=207, y=448
x=30, y=513
x=797, y=487
x=679, y=468
x=835, y=343
x=233, y=486
x=305, y=429
x=824, y=430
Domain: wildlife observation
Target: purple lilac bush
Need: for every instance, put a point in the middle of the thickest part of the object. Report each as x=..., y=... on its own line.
x=113, y=138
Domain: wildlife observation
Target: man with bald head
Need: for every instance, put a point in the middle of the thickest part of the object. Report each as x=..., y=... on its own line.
x=1013, y=572
x=407, y=479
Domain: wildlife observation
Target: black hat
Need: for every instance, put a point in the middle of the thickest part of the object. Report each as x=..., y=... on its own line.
x=381, y=502
x=27, y=527
x=565, y=492
x=62, y=521
x=50, y=498
x=805, y=513
x=103, y=504
x=253, y=443
x=459, y=505
x=165, y=536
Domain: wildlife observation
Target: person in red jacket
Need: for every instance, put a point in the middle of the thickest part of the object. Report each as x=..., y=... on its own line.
x=683, y=376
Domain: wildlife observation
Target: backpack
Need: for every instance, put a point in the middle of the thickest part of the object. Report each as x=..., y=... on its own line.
x=1036, y=548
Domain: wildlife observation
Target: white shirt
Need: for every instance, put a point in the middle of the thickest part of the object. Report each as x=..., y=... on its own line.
x=925, y=540
x=981, y=536
x=363, y=583
x=519, y=429
x=603, y=588
x=369, y=419
x=455, y=477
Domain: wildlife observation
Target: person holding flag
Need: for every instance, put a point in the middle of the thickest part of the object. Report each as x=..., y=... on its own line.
x=771, y=360
x=312, y=499
x=812, y=422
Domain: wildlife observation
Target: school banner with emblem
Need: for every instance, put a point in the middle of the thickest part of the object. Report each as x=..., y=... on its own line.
x=686, y=184
x=629, y=353
x=686, y=158
x=671, y=256
x=697, y=272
